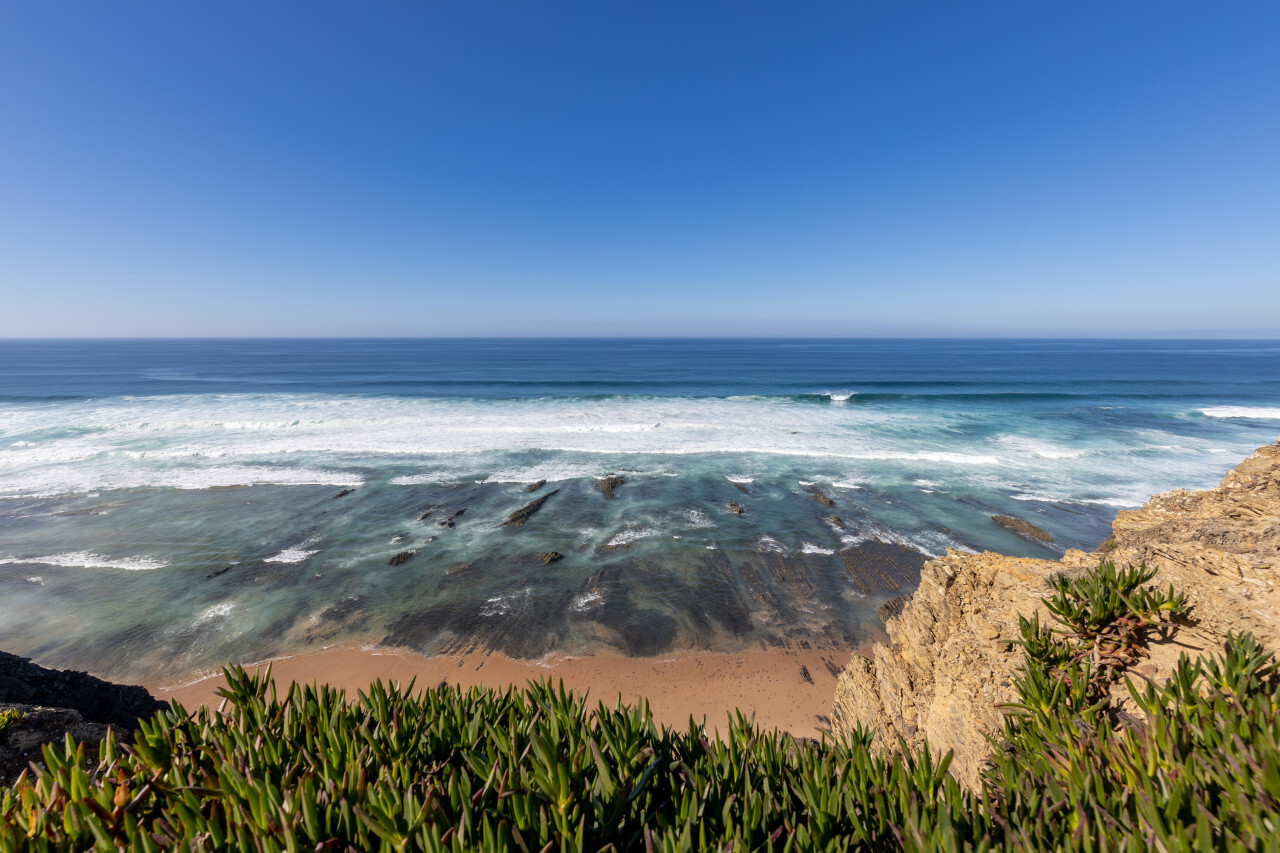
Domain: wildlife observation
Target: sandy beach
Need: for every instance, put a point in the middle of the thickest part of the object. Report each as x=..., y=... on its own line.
x=790, y=690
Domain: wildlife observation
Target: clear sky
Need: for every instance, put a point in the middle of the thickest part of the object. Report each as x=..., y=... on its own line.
x=467, y=167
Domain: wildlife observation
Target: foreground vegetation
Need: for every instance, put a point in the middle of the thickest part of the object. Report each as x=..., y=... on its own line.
x=1196, y=767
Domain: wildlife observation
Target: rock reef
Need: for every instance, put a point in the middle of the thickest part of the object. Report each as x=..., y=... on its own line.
x=1023, y=528
x=950, y=657
x=520, y=516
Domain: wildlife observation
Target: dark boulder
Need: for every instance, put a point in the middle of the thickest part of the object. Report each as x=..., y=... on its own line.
x=533, y=487
x=735, y=508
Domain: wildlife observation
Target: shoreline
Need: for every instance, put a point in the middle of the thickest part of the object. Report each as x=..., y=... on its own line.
x=770, y=685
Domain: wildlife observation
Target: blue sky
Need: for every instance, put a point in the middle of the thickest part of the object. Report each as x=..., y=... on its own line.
x=600, y=168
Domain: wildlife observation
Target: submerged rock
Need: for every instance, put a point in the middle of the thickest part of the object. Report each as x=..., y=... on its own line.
x=735, y=508
x=403, y=557
x=608, y=484
x=449, y=522
x=821, y=498
x=520, y=516
x=343, y=493
x=1025, y=529
x=546, y=558
x=533, y=487
x=835, y=519
x=882, y=567
x=460, y=568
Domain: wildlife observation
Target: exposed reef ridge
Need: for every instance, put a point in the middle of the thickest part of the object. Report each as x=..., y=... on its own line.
x=950, y=658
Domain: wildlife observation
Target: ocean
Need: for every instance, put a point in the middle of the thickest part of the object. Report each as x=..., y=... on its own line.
x=169, y=506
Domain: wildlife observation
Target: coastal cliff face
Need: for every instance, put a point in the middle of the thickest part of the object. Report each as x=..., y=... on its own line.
x=950, y=657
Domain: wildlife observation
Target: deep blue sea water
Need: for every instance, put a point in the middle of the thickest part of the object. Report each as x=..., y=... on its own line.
x=167, y=506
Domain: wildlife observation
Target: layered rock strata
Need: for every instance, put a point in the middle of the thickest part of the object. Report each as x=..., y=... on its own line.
x=950, y=659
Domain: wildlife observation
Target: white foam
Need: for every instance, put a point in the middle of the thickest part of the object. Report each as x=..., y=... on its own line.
x=36, y=579
x=503, y=604
x=735, y=478
x=1263, y=413
x=292, y=555
x=216, y=612
x=805, y=483
x=810, y=548
x=631, y=534
x=768, y=543
x=698, y=519
x=87, y=560
x=839, y=396
x=587, y=600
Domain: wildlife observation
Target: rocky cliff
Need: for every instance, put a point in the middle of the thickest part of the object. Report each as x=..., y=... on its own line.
x=39, y=706
x=949, y=659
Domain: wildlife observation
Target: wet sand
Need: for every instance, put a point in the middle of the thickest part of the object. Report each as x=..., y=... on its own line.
x=785, y=689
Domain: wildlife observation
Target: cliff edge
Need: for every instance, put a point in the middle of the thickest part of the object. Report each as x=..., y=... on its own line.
x=950, y=656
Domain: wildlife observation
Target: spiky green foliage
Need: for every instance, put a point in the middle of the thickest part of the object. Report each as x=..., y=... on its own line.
x=9, y=717
x=447, y=769
x=1197, y=767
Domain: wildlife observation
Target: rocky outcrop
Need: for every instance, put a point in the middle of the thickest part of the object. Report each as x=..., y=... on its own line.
x=1025, y=529
x=520, y=516
x=950, y=658
x=39, y=706
x=608, y=484
x=735, y=508
x=25, y=683
x=403, y=557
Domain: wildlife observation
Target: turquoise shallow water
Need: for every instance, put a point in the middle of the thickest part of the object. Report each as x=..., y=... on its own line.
x=166, y=506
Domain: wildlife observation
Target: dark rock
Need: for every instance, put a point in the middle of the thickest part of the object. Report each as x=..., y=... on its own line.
x=880, y=567
x=220, y=571
x=449, y=522
x=608, y=484
x=835, y=519
x=1025, y=529
x=24, y=729
x=343, y=493
x=533, y=487
x=430, y=511
x=735, y=508
x=403, y=557
x=546, y=558
x=460, y=568
x=804, y=673
x=25, y=683
x=821, y=498
x=742, y=487
x=520, y=516
x=892, y=607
